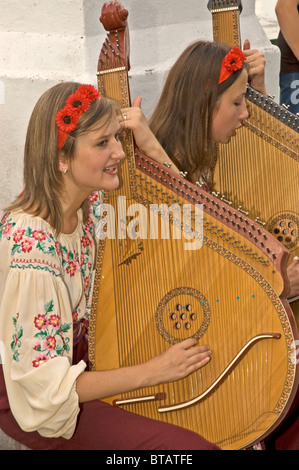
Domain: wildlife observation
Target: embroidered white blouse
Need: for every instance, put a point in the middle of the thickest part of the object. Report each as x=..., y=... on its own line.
x=45, y=285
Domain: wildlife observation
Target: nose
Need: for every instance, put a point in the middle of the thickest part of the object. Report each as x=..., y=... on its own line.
x=118, y=151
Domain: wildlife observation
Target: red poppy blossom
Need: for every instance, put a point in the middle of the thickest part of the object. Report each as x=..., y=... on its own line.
x=67, y=119
x=89, y=92
x=78, y=102
x=232, y=62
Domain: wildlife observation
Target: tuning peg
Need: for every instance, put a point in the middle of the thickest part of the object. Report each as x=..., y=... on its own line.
x=243, y=212
x=225, y=200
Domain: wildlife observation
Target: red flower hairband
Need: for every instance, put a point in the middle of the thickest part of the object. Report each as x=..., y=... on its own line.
x=232, y=62
x=67, y=118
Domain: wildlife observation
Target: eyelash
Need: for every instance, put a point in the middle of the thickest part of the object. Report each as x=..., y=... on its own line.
x=117, y=137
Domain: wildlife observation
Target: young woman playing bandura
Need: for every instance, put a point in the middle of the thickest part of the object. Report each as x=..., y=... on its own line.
x=203, y=103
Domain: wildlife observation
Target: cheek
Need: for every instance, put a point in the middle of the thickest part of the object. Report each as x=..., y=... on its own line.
x=218, y=126
x=86, y=169
x=93, y=162
x=227, y=116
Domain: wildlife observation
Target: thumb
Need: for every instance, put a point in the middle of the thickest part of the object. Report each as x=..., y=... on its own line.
x=246, y=45
x=137, y=101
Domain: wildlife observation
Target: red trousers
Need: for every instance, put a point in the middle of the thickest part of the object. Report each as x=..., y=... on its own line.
x=286, y=436
x=104, y=427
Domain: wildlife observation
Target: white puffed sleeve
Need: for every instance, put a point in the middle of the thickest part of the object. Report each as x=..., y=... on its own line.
x=36, y=329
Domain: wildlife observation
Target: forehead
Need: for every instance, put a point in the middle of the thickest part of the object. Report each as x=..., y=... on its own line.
x=103, y=127
x=104, y=123
x=238, y=88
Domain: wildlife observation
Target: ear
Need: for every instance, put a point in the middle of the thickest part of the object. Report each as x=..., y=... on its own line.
x=62, y=165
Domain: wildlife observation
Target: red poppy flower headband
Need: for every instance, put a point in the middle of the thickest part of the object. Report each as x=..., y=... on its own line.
x=232, y=62
x=67, y=118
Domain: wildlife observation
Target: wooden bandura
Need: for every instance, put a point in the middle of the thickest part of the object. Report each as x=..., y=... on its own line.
x=224, y=287
x=259, y=169
x=225, y=16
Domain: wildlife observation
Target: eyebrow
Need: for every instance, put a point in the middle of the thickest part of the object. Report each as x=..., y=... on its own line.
x=106, y=136
x=238, y=97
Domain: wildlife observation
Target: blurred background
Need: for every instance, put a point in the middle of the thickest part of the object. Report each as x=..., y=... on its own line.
x=265, y=12
x=44, y=42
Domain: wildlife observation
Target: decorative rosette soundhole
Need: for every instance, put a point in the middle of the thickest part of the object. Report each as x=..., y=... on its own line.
x=285, y=227
x=182, y=313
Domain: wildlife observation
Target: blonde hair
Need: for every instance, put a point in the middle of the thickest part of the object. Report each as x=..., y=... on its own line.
x=43, y=181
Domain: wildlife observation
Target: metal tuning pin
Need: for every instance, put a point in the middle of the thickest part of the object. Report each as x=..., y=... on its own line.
x=260, y=222
x=242, y=212
x=225, y=200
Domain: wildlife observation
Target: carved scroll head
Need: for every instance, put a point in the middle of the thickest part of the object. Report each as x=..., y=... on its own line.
x=114, y=16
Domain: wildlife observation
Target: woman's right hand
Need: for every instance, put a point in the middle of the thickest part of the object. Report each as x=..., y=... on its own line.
x=178, y=361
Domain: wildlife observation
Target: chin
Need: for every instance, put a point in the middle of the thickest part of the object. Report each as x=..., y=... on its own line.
x=225, y=140
x=112, y=186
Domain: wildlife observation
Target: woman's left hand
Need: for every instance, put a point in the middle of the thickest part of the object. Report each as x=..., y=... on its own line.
x=257, y=64
x=133, y=118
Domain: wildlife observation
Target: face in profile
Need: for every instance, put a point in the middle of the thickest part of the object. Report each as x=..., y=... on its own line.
x=230, y=110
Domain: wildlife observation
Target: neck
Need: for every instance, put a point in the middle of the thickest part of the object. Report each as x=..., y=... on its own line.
x=70, y=222
x=70, y=209
x=71, y=202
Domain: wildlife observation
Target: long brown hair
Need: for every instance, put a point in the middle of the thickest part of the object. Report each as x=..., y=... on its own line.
x=182, y=119
x=43, y=181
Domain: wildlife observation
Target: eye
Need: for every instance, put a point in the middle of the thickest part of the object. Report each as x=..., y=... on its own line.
x=103, y=143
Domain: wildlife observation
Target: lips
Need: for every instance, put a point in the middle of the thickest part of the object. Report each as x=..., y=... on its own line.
x=111, y=170
x=236, y=129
